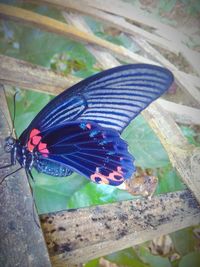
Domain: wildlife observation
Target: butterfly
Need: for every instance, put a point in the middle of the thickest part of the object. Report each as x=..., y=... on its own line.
x=79, y=130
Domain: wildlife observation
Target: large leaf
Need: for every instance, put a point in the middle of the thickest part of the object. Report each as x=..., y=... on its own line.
x=192, y=259
x=169, y=181
x=152, y=260
x=144, y=145
x=53, y=194
x=126, y=257
x=184, y=241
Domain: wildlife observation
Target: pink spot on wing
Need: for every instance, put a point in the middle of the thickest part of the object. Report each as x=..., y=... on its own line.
x=89, y=126
x=119, y=169
x=105, y=179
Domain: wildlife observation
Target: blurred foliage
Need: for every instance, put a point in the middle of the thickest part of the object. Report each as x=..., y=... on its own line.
x=51, y=194
x=192, y=134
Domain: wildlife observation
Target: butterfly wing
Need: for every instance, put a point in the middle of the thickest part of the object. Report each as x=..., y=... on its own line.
x=118, y=95
x=111, y=98
x=85, y=147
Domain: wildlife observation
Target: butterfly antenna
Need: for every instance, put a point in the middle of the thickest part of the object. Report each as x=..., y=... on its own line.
x=34, y=208
x=35, y=217
x=3, y=179
x=6, y=119
x=12, y=130
x=14, y=114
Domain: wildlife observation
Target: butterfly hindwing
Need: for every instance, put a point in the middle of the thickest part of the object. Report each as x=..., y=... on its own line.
x=87, y=148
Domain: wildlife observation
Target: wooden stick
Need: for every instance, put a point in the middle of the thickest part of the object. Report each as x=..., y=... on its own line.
x=113, y=21
x=76, y=236
x=180, y=152
x=137, y=15
x=22, y=242
x=181, y=113
x=186, y=82
x=52, y=25
x=133, y=13
x=26, y=75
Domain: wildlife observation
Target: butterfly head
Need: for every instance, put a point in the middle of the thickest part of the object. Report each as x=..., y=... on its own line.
x=10, y=143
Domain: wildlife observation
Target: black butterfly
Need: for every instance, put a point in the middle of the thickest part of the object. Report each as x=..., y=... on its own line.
x=79, y=130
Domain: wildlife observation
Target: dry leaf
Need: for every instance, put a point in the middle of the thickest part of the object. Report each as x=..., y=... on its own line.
x=105, y=263
x=162, y=246
x=175, y=256
x=143, y=184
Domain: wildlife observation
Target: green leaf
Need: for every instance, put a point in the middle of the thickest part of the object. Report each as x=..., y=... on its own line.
x=184, y=241
x=169, y=181
x=192, y=136
x=167, y=6
x=126, y=257
x=154, y=261
x=92, y=263
x=53, y=194
x=94, y=194
x=37, y=46
x=28, y=104
x=191, y=259
x=144, y=145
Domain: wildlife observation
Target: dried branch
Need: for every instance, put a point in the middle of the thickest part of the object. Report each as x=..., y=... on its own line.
x=76, y=236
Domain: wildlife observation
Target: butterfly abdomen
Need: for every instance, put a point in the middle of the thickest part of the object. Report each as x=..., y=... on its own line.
x=52, y=168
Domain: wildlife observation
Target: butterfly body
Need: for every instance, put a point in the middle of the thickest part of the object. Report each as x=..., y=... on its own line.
x=79, y=130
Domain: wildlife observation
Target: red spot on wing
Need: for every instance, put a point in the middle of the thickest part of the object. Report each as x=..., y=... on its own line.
x=35, y=141
x=30, y=146
x=34, y=132
x=42, y=146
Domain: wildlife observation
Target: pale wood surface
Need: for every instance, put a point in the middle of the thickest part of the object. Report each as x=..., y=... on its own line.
x=76, y=236
x=181, y=113
x=21, y=240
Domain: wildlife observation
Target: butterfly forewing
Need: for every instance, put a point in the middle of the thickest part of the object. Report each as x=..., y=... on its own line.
x=111, y=98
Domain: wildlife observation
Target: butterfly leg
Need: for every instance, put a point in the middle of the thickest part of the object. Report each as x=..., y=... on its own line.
x=29, y=174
